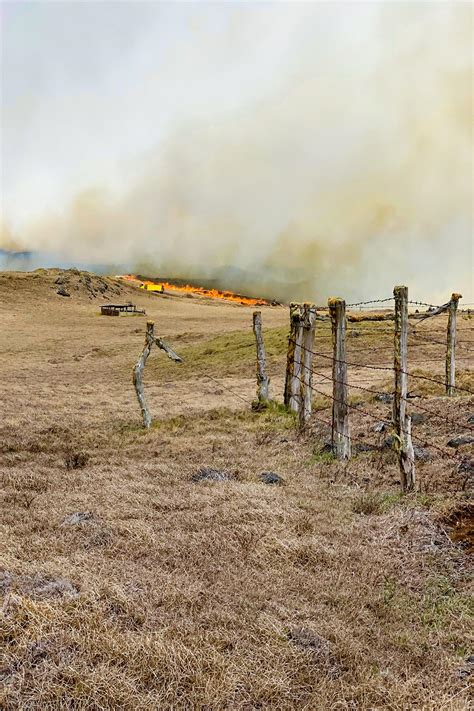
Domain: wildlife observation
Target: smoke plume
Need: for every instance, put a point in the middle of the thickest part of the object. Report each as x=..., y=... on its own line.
x=293, y=150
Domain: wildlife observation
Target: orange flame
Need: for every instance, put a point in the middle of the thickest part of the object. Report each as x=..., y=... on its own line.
x=199, y=290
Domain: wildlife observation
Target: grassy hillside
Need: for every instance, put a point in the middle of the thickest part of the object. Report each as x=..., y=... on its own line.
x=128, y=582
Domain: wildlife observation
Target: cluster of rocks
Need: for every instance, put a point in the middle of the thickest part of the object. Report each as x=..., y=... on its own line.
x=468, y=669
x=206, y=474
x=93, y=286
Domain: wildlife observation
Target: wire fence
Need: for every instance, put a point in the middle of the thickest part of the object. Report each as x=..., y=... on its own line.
x=381, y=420
x=377, y=359
x=367, y=366
x=367, y=359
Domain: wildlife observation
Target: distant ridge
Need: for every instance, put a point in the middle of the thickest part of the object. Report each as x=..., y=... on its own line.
x=15, y=261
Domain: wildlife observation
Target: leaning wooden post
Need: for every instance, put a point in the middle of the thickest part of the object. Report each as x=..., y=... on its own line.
x=263, y=381
x=138, y=370
x=341, y=442
x=306, y=392
x=401, y=421
x=451, y=345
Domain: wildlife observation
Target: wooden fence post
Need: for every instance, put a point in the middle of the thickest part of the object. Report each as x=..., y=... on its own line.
x=341, y=442
x=150, y=339
x=306, y=392
x=263, y=381
x=290, y=355
x=293, y=361
x=451, y=345
x=296, y=376
x=138, y=370
x=402, y=422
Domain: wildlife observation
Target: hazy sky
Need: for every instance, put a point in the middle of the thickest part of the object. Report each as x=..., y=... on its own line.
x=322, y=146
x=89, y=86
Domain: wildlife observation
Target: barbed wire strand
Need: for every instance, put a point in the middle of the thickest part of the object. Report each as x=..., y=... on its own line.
x=380, y=367
x=371, y=301
x=430, y=341
x=423, y=303
x=449, y=420
x=226, y=387
x=373, y=447
x=388, y=422
x=390, y=368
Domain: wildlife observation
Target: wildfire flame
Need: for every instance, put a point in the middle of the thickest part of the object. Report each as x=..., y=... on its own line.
x=199, y=290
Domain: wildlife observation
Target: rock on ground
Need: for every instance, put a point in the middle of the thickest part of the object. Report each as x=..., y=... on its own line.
x=211, y=475
x=459, y=441
x=77, y=517
x=272, y=478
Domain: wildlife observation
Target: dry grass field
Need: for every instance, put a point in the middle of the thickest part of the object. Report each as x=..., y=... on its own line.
x=126, y=584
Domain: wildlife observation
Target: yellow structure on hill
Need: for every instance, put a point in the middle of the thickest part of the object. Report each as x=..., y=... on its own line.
x=153, y=287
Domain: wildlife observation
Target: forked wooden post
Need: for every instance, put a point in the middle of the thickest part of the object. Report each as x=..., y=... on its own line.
x=263, y=381
x=451, y=345
x=293, y=359
x=150, y=339
x=402, y=422
x=306, y=392
x=341, y=442
x=138, y=370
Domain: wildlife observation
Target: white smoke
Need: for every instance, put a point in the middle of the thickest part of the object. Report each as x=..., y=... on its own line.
x=305, y=149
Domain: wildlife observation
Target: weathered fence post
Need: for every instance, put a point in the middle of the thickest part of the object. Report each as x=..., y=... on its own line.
x=290, y=355
x=293, y=363
x=150, y=339
x=451, y=345
x=138, y=370
x=341, y=442
x=306, y=392
x=402, y=422
x=263, y=381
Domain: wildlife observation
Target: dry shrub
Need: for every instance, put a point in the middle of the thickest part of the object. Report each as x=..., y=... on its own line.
x=367, y=504
x=76, y=460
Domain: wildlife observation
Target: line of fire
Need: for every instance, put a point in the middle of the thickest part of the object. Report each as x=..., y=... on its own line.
x=160, y=286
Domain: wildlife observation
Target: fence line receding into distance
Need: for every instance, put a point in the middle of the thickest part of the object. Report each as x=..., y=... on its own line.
x=345, y=329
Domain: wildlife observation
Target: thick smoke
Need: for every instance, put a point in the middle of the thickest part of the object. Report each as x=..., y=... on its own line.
x=292, y=150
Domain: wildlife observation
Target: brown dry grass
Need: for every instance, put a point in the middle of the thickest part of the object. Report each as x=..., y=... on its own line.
x=331, y=592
